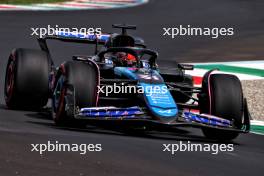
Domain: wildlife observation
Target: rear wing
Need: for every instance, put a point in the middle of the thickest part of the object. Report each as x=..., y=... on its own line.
x=74, y=38
x=78, y=37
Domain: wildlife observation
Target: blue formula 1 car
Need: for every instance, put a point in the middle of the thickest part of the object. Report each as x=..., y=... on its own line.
x=122, y=82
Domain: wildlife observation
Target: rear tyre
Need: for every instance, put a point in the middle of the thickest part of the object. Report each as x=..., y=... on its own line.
x=83, y=77
x=27, y=79
x=222, y=96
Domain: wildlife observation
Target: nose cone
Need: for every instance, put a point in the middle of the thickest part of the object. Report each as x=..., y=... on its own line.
x=160, y=102
x=165, y=115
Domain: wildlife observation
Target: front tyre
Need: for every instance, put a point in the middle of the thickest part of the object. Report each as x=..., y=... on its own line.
x=222, y=96
x=84, y=78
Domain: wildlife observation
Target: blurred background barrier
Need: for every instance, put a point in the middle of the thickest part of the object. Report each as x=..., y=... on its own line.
x=67, y=4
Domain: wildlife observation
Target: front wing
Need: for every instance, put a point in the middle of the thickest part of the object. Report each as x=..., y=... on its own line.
x=139, y=115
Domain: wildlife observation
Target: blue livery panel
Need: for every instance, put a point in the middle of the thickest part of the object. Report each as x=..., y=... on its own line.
x=160, y=101
x=156, y=94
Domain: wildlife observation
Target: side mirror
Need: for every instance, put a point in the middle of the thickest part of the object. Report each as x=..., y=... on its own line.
x=186, y=66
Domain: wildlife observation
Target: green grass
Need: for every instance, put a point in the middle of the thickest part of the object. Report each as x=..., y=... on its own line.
x=233, y=69
x=257, y=129
x=29, y=1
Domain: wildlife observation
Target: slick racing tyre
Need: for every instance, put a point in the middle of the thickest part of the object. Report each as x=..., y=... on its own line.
x=27, y=79
x=83, y=78
x=222, y=96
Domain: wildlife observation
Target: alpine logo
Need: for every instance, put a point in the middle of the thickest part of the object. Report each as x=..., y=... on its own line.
x=165, y=111
x=149, y=77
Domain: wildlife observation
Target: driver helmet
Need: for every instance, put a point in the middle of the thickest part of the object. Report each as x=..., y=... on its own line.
x=126, y=59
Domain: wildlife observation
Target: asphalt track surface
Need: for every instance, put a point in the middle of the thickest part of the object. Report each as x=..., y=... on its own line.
x=126, y=154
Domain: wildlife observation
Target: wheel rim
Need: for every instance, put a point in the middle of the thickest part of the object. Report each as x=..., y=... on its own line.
x=58, y=99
